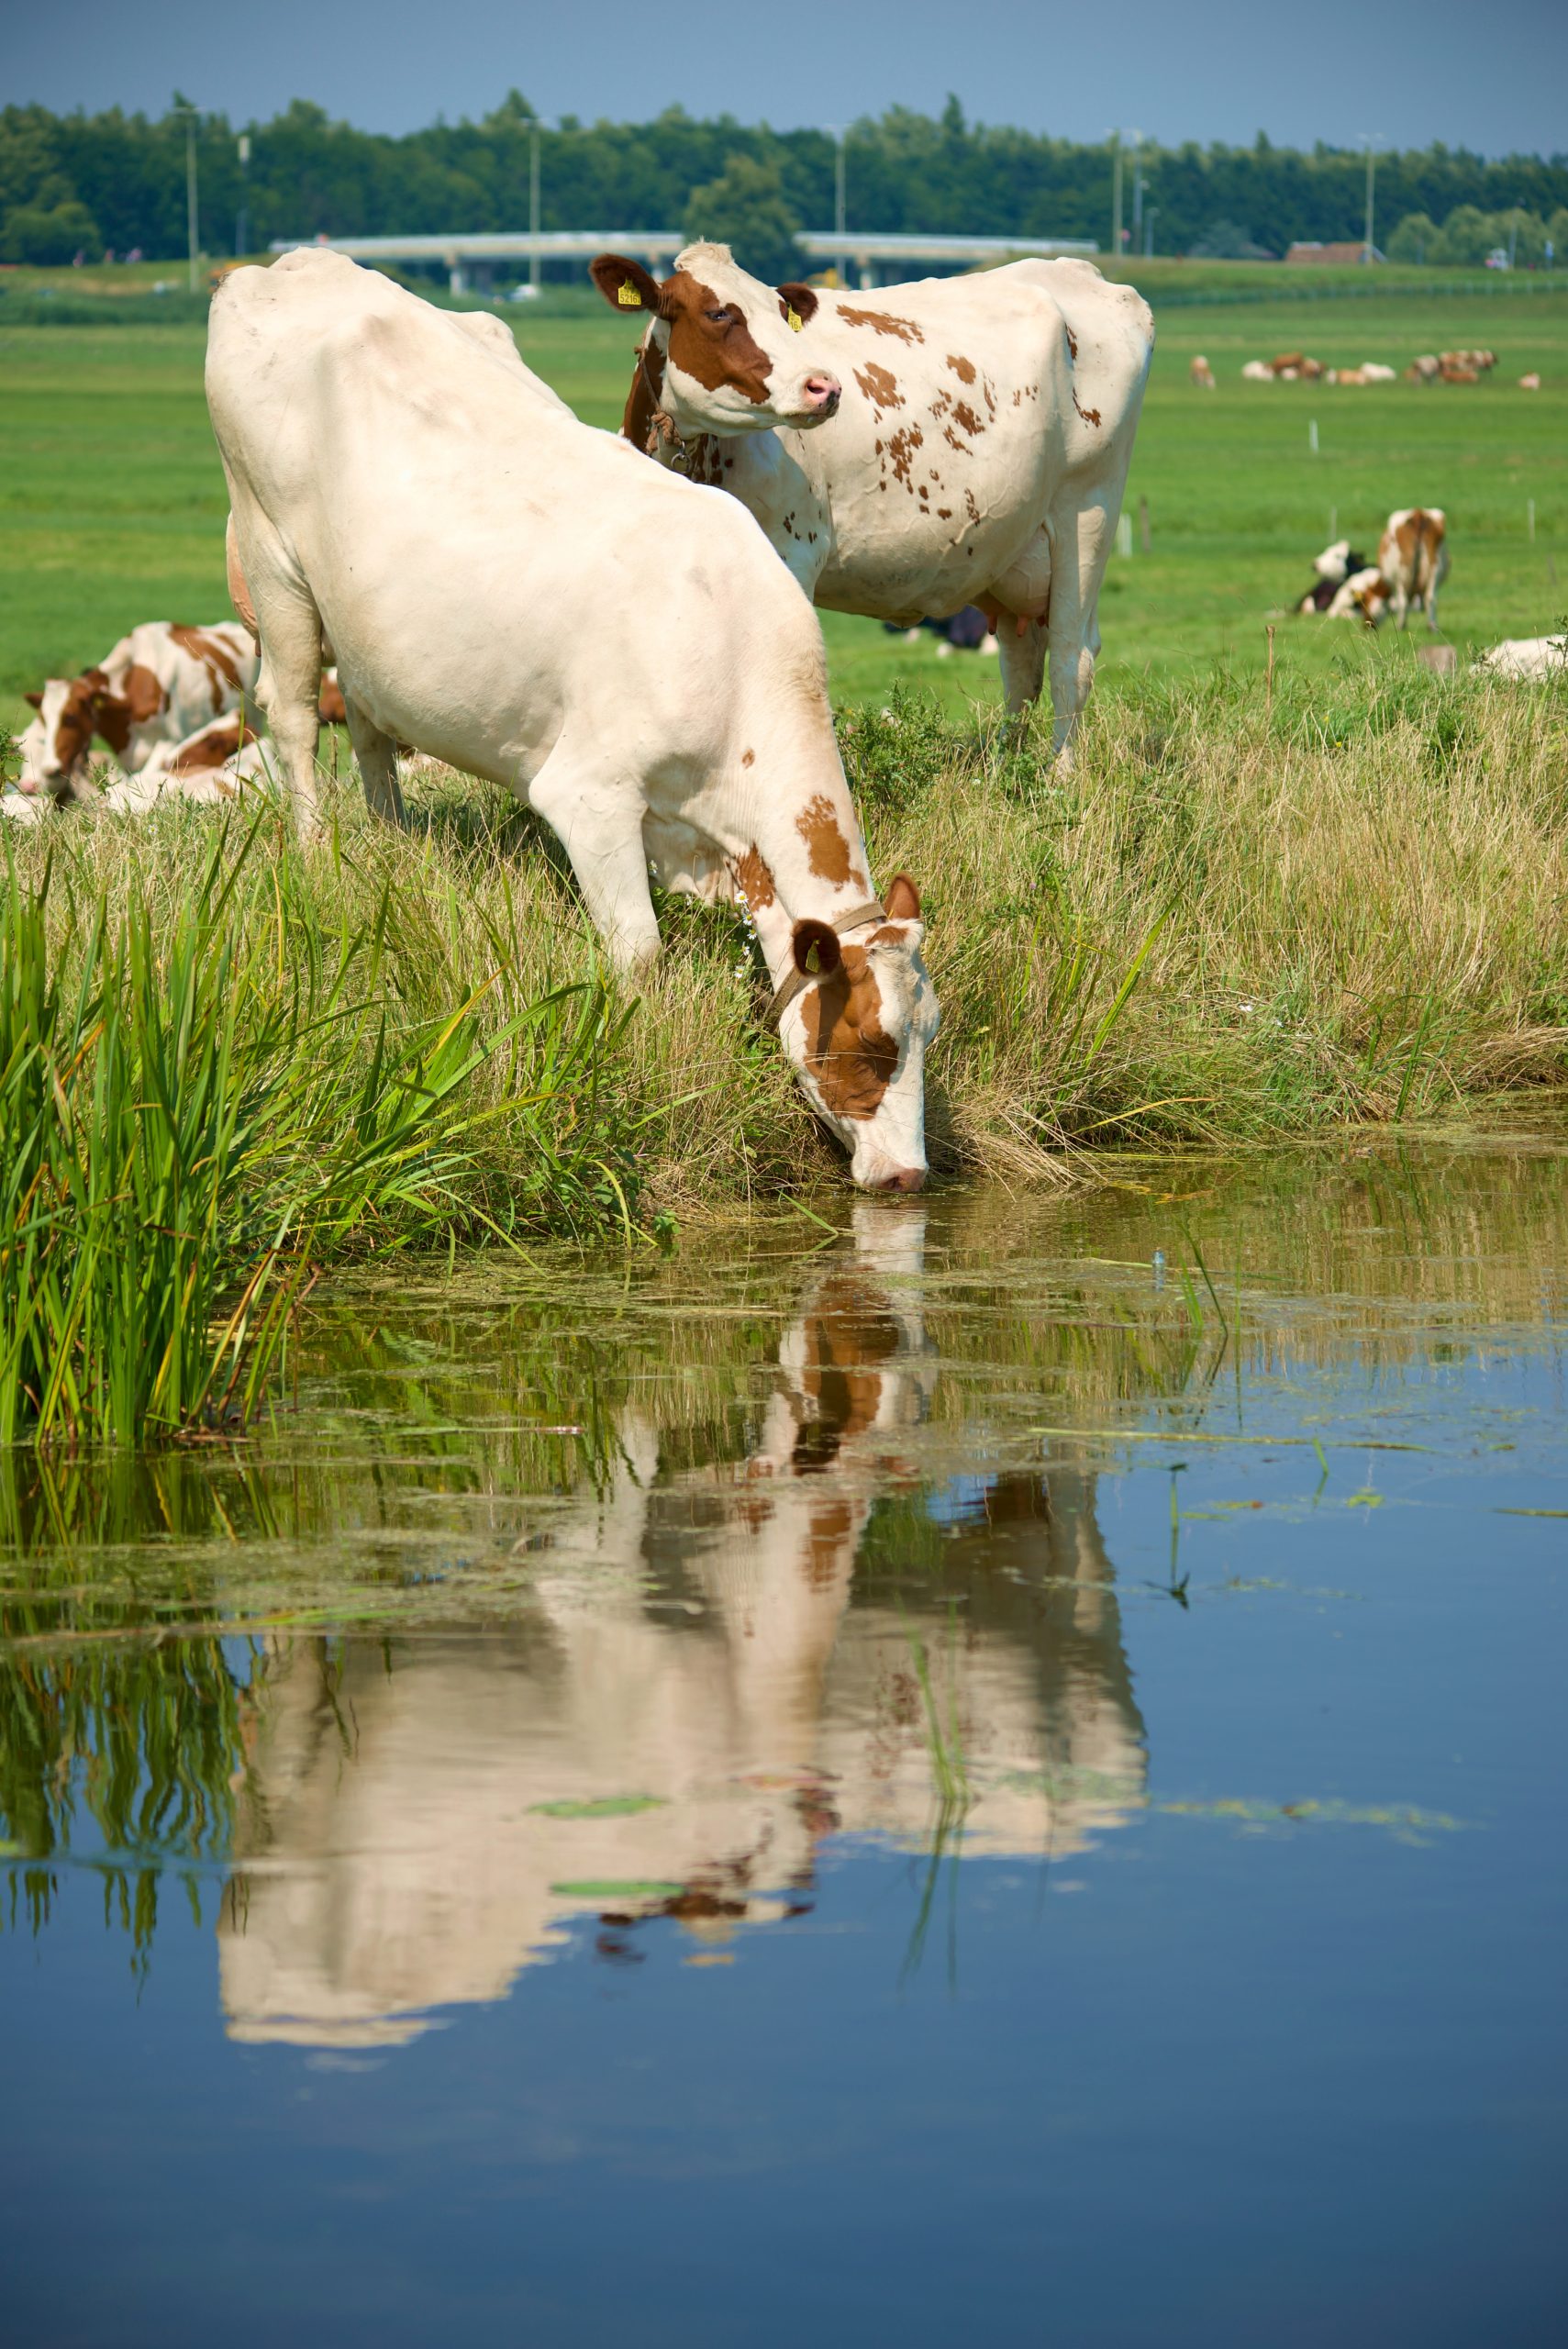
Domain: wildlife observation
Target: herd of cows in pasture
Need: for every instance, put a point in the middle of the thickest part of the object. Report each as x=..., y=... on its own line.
x=1299, y=367
x=490, y=582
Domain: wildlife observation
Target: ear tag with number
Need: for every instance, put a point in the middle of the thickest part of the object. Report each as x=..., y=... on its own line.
x=627, y=296
x=795, y=322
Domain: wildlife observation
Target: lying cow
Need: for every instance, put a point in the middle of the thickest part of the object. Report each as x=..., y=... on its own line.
x=531, y=601
x=1526, y=660
x=1364, y=596
x=978, y=454
x=1413, y=558
x=1257, y=371
x=1334, y=566
x=159, y=684
x=216, y=763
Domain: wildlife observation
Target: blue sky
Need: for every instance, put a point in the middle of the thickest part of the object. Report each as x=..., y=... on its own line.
x=1493, y=78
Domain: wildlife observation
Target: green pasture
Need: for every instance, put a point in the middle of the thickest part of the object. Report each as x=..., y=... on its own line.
x=112, y=500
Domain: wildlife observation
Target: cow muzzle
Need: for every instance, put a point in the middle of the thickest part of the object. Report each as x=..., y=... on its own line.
x=819, y=397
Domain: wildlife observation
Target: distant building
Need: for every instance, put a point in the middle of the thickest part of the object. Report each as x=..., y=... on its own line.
x=1325, y=256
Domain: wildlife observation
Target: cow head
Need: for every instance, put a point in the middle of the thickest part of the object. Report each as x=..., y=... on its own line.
x=857, y=1035
x=55, y=747
x=723, y=352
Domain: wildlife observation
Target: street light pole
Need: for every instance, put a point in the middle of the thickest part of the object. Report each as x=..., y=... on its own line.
x=842, y=263
x=242, y=224
x=193, y=116
x=533, y=207
x=1370, y=140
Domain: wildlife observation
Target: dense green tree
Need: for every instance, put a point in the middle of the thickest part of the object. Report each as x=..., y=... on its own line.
x=746, y=209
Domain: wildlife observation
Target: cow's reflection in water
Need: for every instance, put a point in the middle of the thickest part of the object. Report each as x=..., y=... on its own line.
x=691, y=1698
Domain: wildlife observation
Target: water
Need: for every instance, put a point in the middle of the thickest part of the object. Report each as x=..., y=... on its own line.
x=995, y=1774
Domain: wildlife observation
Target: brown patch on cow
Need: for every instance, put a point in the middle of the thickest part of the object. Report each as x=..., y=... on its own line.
x=826, y=850
x=1089, y=415
x=963, y=414
x=941, y=404
x=79, y=717
x=944, y=513
x=848, y=1053
x=831, y=1527
x=215, y=656
x=901, y=449
x=208, y=750
x=144, y=693
x=951, y=437
x=990, y=395
x=882, y=322
x=970, y=508
x=962, y=368
x=748, y=758
x=754, y=880
x=642, y=400
x=1072, y=341
x=879, y=385
x=713, y=350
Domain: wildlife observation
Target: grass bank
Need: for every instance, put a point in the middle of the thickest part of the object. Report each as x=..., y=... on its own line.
x=1254, y=910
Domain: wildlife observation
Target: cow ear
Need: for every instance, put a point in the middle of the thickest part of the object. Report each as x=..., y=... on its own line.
x=35, y=699
x=902, y=899
x=815, y=938
x=797, y=306
x=625, y=284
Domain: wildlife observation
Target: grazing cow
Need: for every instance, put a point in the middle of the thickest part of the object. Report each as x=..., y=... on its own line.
x=1526, y=660
x=978, y=456
x=1334, y=566
x=1257, y=371
x=1294, y=366
x=1413, y=558
x=1424, y=369
x=531, y=601
x=159, y=686
x=1202, y=375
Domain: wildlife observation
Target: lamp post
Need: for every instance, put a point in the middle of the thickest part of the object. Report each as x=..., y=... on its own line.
x=842, y=260
x=533, y=207
x=1369, y=140
x=193, y=116
x=242, y=219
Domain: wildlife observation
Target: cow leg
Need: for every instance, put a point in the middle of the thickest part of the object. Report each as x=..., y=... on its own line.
x=377, y=755
x=1432, y=605
x=599, y=824
x=1401, y=602
x=1083, y=542
x=290, y=629
x=1022, y=662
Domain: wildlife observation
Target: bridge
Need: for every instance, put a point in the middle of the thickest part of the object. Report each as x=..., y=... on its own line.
x=462, y=256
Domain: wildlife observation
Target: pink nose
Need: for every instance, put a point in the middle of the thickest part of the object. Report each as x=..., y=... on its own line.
x=904, y=1178
x=823, y=390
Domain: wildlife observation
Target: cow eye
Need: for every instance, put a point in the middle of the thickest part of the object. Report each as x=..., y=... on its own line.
x=719, y=318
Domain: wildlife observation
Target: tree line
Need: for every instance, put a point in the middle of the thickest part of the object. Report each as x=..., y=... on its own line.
x=91, y=185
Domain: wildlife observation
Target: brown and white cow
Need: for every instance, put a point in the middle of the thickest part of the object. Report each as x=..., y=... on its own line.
x=1364, y=596
x=979, y=454
x=1201, y=373
x=1413, y=558
x=161, y=685
x=503, y=587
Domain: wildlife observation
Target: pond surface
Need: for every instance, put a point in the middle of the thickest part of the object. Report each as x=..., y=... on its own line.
x=994, y=1773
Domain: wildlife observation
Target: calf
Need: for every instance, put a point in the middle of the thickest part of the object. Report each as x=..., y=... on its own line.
x=1364, y=596
x=621, y=649
x=979, y=454
x=159, y=684
x=1334, y=566
x=1413, y=558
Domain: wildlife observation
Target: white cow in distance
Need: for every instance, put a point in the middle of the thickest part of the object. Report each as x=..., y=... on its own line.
x=159, y=686
x=1526, y=660
x=527, y=599
x=978, y=455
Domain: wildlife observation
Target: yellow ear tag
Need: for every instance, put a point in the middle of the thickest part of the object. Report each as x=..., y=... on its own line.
x=627, y=296
x=794, y=321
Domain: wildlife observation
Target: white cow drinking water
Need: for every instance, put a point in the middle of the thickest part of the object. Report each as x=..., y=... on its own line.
x=531, y=601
